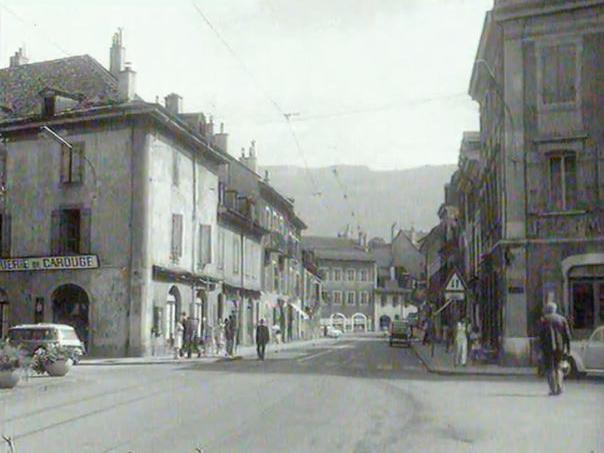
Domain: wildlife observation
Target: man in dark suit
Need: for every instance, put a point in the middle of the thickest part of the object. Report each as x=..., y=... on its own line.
x=555, y=344
x=262, y=338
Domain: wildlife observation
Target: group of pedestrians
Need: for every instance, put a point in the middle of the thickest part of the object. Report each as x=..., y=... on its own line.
x=209, y=340
x=220, y=339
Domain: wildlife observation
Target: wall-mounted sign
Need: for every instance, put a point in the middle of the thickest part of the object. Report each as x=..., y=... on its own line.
x=455, y=283
x=49, y=263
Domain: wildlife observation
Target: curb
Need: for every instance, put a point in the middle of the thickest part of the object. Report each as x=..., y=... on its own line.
x=202, y=360
x=450, y=372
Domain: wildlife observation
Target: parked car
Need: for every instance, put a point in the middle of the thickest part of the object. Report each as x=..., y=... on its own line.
x=33, y=337
x=400, y=332
x=332, y=332
x=587, y=356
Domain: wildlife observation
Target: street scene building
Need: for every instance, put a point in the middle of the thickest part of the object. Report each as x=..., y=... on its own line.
x=525, y=205
x=144, y=218
x=400, y=279
x=349, y=277
x=302, y=226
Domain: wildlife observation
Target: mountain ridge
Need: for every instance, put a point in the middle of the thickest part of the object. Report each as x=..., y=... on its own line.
x=329, y=198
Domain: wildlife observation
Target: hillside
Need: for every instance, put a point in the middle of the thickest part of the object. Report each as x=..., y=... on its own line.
x=410, y=197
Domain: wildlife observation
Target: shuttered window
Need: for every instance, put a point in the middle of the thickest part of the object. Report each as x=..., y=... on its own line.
x=205, y=245
x=176, y=249
x=72, y=163
x=559, y=73
x=563, y=182
x=236, y=255
x=70, y=231
x=5, y=235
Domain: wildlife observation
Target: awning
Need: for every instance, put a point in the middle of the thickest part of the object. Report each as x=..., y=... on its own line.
x=299, y=310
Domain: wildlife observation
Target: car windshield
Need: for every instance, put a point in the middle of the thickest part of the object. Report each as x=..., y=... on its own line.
x=33, y=334
x=69, y=334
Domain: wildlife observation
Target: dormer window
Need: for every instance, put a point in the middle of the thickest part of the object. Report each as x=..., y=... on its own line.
x=48, y=107
x=56, y=101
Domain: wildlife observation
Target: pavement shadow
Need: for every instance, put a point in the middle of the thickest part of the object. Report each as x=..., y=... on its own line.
x=363, y=360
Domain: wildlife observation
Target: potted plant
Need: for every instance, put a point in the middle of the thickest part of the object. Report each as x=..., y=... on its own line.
x=11, y=360
x=54, y=360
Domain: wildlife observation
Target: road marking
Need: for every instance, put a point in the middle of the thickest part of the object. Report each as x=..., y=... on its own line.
x=318, y=354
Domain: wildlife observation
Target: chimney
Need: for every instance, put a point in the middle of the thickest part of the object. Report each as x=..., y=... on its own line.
x=19, y=58
x=250, y=160
x=266, y=180
x=221, y=139
x=210, y=129
x=173, y=103
x=117, y=54
x=126, y=80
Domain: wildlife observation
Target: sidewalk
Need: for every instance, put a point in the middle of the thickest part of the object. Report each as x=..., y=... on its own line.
x=443, y=363
x=241, y=352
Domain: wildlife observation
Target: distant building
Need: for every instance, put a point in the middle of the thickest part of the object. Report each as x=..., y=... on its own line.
x=349, y=276
x=400, y=278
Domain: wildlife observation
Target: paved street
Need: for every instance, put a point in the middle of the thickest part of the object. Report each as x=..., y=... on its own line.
x=356, y=394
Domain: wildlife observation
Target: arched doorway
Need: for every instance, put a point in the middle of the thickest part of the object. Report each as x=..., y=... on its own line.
x=173, y=309
x=359, y=322
x=220, y=309
x=338, y=320
x=70, y=305
x=385, y=322
x=3, y=313
x=199, y=312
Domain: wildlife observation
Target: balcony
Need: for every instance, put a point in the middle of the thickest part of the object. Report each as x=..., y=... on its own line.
x=275, y=241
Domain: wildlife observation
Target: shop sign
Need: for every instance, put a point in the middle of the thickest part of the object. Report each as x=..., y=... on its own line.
x=49, y=263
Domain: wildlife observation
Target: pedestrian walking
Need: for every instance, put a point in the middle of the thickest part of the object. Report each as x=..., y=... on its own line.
x=262, y=338
x=179, y=330
x=219, y=337
x=475, y=344
x=208, y=339
x=461, y=344
x=277, y=336
x=428, y=330
x=554, y=336
x=229, y=332
x=190, y=335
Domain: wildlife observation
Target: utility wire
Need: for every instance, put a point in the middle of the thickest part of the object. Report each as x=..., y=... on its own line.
x=286, y=116
x=36, y=27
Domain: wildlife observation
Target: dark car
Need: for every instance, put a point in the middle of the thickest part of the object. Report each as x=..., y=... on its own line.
x=400, y=332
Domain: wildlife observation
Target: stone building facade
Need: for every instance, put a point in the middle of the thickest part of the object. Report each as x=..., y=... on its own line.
x=538, y=83
x=349, y=277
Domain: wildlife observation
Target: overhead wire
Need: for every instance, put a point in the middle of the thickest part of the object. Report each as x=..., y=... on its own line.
x=35, y=26
x=315, y=190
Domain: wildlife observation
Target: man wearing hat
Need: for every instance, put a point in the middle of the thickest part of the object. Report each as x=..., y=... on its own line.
x=554, y=336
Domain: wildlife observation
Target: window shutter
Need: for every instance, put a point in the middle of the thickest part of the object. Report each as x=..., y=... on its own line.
x=65, y=164
x=85, y=227
x=205, y=243
x=77, y=162
x=176, y=235
x=55, y=232
x=6, y=233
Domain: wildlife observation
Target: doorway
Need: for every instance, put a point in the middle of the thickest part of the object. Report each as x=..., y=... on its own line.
x=70, y=305
x=587, y=304
x=3, y=314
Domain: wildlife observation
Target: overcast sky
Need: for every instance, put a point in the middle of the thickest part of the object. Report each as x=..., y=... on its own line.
x=381, y=83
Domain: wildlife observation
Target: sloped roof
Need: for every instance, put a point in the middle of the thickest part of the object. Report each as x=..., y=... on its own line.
x=82, y=76
x=327, y=242
x=344, y=255
x=383, y=255
x=335, y=248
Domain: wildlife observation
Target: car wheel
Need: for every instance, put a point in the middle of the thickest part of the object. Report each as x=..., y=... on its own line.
x=574, y=372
